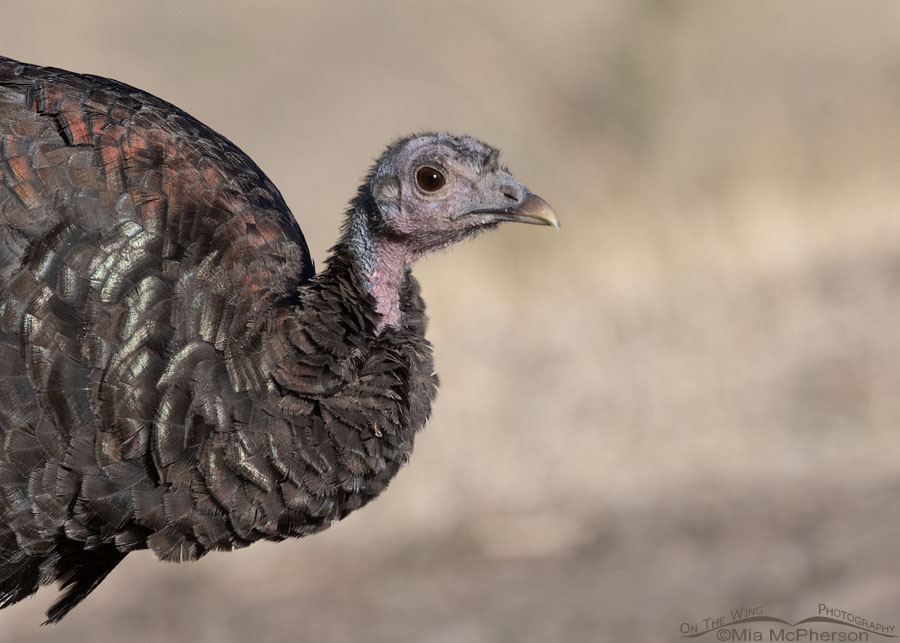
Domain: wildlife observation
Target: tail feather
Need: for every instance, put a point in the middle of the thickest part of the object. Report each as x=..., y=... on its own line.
x=80, y=575
x=21, y=574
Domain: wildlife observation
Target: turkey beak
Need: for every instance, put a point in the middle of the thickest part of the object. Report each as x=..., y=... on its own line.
x=532, y=209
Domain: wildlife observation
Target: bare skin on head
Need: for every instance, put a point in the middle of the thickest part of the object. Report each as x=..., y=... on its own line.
x=430, y=191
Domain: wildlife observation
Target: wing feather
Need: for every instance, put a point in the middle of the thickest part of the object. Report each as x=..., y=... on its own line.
x=139, y=253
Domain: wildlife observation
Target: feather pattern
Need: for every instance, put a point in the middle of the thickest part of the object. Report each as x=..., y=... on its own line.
x=173, y=375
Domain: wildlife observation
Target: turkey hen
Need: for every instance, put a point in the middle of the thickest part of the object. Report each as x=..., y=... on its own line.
x=174, y=375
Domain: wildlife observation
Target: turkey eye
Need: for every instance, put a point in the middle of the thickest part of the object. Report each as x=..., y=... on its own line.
x=429, y=179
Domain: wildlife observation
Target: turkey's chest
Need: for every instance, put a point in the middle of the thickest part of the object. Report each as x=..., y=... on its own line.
x=371, y=421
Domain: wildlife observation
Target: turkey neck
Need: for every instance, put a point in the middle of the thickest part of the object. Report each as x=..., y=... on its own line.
x=385, y=280
x=382, y=262
x=365, y=304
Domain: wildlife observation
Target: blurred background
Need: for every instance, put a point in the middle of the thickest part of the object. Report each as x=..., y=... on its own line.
x=683, y=403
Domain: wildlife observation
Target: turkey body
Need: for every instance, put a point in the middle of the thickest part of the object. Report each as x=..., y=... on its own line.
x=172, y=373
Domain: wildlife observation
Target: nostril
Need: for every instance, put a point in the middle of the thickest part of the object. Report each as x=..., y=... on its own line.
x=510, y=193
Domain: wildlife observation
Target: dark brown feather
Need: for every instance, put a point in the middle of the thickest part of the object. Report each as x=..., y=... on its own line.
x=172, y=374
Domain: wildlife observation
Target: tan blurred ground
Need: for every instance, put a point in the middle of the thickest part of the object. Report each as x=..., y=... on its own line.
x=685, y=402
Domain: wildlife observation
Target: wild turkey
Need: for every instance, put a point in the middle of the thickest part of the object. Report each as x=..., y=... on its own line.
x=174, y=375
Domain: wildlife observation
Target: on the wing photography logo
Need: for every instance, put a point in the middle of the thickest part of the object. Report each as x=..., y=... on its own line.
x=753, y=624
